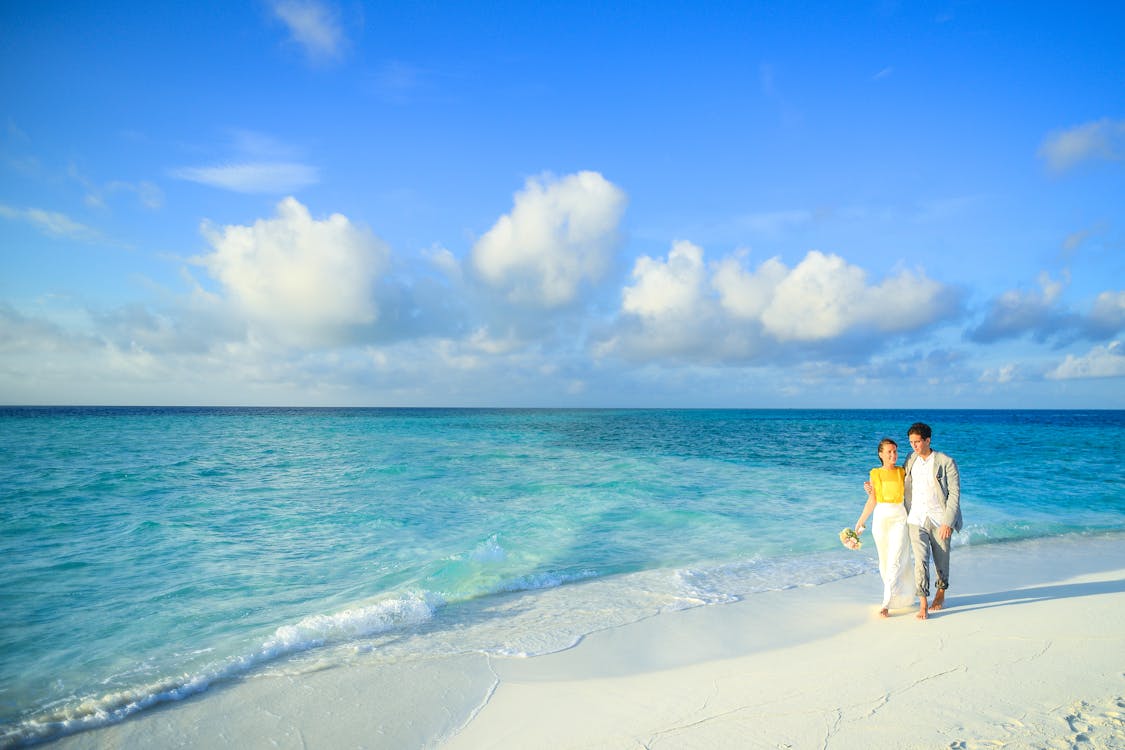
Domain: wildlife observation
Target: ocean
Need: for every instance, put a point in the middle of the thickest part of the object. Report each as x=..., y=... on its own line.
x=151, y=554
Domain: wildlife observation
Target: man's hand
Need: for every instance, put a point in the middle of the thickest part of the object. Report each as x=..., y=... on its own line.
x=944, y=532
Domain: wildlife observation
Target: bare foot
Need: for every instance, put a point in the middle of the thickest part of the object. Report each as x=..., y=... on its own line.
x=884, y=612
x=939, y=600
x=922, y=613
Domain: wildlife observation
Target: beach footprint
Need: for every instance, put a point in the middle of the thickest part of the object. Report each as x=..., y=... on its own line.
x=975, y=744
x=1077, y=722
x=1097, y=726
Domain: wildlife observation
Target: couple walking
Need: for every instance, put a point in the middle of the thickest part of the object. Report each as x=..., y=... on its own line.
x=919, y=501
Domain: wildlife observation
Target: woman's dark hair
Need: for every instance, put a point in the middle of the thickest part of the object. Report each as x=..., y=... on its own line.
x=885, y=441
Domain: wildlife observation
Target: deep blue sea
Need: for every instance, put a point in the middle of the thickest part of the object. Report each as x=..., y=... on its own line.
x=148, y=554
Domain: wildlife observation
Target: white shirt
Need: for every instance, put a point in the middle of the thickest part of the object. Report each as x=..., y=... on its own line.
x=924, y=501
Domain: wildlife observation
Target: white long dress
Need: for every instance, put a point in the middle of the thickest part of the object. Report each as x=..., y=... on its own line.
x=888, y=527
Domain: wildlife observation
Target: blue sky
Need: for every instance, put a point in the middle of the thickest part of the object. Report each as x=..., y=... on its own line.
x=563, y=204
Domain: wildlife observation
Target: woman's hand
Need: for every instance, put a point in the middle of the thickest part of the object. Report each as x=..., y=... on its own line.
x=868, y=488
x=859, y=528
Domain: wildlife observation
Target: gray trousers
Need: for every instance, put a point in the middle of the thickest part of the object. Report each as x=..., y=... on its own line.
x=924, y=540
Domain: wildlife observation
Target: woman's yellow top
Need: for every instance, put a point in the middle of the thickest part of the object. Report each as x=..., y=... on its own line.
x=889, y=484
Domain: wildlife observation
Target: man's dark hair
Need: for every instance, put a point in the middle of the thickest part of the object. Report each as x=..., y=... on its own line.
x=921, y=429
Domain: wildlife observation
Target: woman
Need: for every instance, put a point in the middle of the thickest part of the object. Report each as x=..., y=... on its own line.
x=885, y=490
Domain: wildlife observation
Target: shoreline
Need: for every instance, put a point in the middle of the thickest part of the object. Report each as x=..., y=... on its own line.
x=1027, y=653
x=1030, y=655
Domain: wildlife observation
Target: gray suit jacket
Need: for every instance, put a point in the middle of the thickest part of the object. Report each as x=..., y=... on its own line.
x=948, y=484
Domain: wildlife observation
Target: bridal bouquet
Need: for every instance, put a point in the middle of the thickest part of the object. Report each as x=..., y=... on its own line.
x=850, y=539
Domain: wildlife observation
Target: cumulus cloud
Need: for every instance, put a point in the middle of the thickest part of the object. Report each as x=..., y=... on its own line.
x=727, y=310
x=820, y=298
x=669, y=310
x=1101, y=140
x=824, y=296
x=308, y=309
x=1018, y=312
x=746, y=294
x=302, y=280
x=559, y=235
x=667, y=288
x=314, y=27
x=252, y=177
x=1100, y=362
x=1041, y=314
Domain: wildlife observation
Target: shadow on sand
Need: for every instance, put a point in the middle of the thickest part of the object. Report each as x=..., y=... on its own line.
x=990, y=599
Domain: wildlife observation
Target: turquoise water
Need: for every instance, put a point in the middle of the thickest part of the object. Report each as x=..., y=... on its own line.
x=149, y=554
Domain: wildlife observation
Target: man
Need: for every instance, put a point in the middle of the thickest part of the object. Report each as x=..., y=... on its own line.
x=933, y=508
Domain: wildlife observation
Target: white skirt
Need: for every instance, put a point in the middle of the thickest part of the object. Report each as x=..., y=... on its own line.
x=888, y=527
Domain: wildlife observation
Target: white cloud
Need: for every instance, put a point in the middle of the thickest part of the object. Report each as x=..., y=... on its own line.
x=559, y=235
x=252, y=177
x=746, y=294
x=824, y=297
x=1102, y=140
x=907, y=302
x=258, y=163
x=727, y=312
x=819, y=299
x=50, y=223
x=671, y=312
x=1100, y=362
x=1108, y=313
x=300, y=280
x=314, y=26
x=57, y=224
x=667, y=288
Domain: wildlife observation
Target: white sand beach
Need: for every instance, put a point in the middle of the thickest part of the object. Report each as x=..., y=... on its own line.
x=1029, y=653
